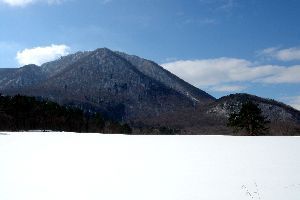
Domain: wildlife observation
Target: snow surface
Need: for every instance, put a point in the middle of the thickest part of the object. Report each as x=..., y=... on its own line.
x=69, y=166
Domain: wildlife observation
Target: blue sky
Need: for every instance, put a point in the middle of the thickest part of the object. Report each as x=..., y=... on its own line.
x=221, y=46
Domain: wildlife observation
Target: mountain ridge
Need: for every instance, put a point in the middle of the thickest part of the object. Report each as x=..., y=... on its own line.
x=114, y=79
x=131, y=89
x=140, y=63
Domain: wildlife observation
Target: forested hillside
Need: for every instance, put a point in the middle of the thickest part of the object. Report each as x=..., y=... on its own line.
x=21, y=113
x=125, y=89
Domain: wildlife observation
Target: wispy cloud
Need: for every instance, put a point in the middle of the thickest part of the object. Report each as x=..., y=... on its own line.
x=40, y=55
x=214, y=72
x=23, y=3
x=200, y=21
x=227, y=5
x=106, y=1
x=220, y=5
x=289, y=54
x=228, y=88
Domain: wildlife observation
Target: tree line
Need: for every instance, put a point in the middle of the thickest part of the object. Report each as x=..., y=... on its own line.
x=23, y=113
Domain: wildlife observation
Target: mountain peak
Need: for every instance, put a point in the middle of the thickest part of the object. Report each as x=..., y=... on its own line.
x=131, y=89
x=108, y=79
x=30, y=66
x=103, y=49
x=103, y=52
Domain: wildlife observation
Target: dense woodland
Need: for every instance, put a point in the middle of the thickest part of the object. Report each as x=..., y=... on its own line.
x=22, y=113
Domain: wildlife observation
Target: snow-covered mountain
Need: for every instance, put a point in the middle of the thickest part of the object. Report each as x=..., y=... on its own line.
x=132, y=89
x=127, y=87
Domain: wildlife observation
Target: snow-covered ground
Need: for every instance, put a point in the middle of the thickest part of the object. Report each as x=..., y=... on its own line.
x=68, y=166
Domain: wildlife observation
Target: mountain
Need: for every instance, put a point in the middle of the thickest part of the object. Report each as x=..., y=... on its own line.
x=284, y=119
x=131, y=89
x=158, y=73
x=4, y=72
x=54, y=67
x=213, y=117
x=113, y=83
x=21, y=78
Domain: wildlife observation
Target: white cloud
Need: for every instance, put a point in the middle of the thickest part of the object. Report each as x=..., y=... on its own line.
x=228, y=88
x=213, y=72
x=294, y=102
x=22, y=3
x=284, y=75
x=18, y=2
x=40, y=55
x=289, y=54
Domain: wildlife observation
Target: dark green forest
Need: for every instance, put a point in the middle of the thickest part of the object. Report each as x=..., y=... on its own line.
x=23, y=113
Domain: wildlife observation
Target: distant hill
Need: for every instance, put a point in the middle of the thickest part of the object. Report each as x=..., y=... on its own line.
x=213, y=117
x=284, y=119
x=134, y=90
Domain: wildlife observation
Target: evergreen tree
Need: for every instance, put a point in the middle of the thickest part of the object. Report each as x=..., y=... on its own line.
x=249, y=119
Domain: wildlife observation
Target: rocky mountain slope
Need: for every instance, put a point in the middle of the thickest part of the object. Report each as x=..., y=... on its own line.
x=158, y=73
x=109, y=82
x=132, y=89
x=23, y=77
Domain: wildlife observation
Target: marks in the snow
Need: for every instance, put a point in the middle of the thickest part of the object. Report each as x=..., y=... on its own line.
x=252, y=193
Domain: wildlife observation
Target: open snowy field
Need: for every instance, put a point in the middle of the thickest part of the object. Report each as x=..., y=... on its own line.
x=66, y=166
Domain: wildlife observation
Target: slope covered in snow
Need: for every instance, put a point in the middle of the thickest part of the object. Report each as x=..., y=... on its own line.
x=64, y=166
